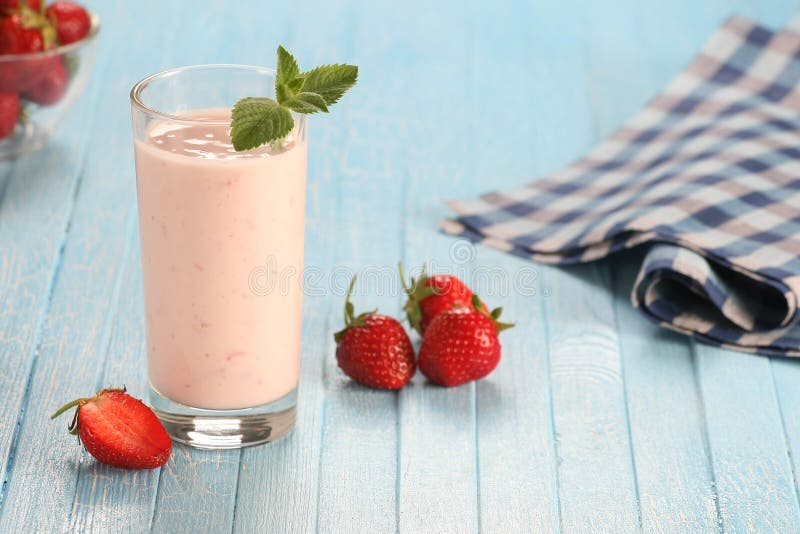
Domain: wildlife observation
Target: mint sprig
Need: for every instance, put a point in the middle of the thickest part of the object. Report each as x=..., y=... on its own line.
x=259, y=120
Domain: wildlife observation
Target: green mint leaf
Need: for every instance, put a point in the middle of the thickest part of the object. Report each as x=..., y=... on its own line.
x=256, y=121
x=297, y=83
x=287, y=67
x=330, y=81
x=285, y=76
x=283, y=92
x=307, y=103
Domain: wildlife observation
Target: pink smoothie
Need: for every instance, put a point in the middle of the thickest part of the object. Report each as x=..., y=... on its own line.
x=209, y=219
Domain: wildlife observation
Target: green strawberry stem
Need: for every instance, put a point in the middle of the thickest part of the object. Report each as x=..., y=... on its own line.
x=351, y=320
x=24, y=4
x=494, y=315
x=77, y=403
x=348, y=306
x=36, y=19
x=406, y=288
x=417, y=291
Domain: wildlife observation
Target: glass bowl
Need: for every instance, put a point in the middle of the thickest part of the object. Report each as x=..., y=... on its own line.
x=48, y=83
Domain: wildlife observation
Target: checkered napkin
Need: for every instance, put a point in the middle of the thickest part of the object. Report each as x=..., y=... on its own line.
x=707, y=174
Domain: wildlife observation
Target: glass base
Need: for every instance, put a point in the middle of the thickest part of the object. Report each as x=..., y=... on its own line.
x=226, y=429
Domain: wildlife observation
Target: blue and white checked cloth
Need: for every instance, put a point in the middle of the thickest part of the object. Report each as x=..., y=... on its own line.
x=707, y=174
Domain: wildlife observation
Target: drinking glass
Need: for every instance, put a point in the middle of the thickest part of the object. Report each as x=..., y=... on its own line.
x=222, y=253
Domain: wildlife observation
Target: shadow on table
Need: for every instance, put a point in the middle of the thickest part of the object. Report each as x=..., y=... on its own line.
x=617, y=275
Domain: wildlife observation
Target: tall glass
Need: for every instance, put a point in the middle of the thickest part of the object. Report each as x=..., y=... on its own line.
x=223, y=355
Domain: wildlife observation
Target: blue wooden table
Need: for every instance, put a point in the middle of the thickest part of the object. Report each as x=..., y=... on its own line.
x=595, y=420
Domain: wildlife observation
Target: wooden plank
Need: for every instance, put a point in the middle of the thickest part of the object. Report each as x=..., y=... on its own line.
x=359, y=205
x=597, y=484
x=438, y=475
x=196, y=491
x=518, y=489
x=786, y=376
x=594, y=474
x=109, y=499
x=674, y=474
x=36, y=208
x=753, y=474
x=544, y=124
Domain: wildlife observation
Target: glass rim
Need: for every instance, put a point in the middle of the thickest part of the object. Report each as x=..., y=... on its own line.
x=94, y=30
x=141, y=85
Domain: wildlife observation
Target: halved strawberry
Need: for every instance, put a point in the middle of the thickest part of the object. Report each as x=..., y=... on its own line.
x=119, y=430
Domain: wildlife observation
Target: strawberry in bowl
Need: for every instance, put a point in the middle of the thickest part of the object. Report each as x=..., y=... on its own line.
x=46, y=52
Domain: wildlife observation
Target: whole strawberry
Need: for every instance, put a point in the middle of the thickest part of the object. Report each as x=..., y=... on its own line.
x=431, y=295
x=19, y=37
x=72, y=22
x=51, y=84
x=16, y=37
x=374, y=349
x=461, y=345
x=9, y=113
x=119, y=430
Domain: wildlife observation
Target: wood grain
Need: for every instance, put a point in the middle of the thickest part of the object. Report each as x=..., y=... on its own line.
x=355, y=203
x=594, y=420
x=754, y=479
x=668, y=435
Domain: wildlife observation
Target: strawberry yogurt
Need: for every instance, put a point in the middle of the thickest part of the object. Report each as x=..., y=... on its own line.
x=209, y=218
